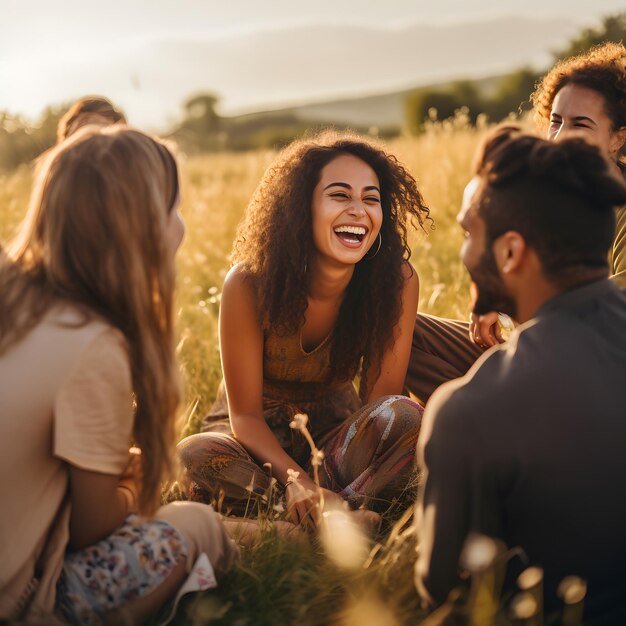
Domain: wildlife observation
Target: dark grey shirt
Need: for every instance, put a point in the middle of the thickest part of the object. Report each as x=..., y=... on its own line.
x=530, y=447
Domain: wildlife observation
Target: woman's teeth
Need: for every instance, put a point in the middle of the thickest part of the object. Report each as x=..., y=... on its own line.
x=350, y=234
x=355, y=230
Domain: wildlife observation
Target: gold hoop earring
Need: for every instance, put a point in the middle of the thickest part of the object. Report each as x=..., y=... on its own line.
x=380, y=243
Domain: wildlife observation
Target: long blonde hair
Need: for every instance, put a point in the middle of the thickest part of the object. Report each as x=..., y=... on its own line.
x=95, y=235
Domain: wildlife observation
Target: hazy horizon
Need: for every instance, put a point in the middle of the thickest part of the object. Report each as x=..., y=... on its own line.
x=50, y=56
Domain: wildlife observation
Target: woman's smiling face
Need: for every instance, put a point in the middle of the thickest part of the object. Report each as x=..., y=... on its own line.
x=346, y=210
x=580, y=111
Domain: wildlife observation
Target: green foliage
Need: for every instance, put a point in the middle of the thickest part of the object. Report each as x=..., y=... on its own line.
x=441, y=103
x=512, y=93
x=21, y=142
x=203, y=130
x=269, y=130
x=612, y=28
x=201, y=114
x=200, y=130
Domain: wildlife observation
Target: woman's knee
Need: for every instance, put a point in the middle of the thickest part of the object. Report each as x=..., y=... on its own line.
x=206, y=457
x=205, y=446
x=216, y=463
x=398, y=419
x=203, y=531
x=398, y=410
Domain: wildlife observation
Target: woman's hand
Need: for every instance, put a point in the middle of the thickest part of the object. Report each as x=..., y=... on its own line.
x=304, y=501
x=490, y=329
x=484, y=330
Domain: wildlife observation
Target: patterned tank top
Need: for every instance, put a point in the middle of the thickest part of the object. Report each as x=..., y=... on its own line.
x=296, y=381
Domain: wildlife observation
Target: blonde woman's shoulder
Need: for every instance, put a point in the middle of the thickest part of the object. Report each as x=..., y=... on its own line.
x=74, y=328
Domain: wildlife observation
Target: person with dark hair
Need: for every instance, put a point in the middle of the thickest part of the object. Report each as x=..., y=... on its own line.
x=527, y=447
x=321, y=291
x=586, y=95
x=94, y=110
x=583, y=95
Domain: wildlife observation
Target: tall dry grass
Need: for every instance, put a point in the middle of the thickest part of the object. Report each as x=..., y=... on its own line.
x=280, y=582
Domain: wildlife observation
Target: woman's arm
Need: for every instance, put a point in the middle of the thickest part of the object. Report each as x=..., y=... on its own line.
x=93, y=421
x=395, y=361
x=100, y=503
x=241, y=347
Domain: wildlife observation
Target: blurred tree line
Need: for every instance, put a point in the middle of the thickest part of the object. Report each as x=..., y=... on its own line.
x=21, y=142
x=202, y=129
x=510, y=94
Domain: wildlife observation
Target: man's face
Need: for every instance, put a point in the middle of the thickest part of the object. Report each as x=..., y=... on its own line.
x=489, y=291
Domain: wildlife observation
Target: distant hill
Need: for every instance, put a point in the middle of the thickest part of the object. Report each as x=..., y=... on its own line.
x=383, y=110
x=316, y=63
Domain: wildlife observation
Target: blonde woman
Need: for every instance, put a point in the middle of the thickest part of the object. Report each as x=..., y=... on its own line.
x=87, y=368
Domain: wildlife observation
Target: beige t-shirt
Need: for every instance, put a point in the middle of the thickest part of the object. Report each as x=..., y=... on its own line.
x=65, y=397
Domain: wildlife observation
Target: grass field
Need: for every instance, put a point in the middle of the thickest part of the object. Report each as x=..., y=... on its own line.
x=280, y=582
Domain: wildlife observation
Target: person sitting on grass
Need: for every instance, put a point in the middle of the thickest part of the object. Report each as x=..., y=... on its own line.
x=90, y=110
x=87, y=368
x=527, y=447
x=321, y=290
x=583, y=95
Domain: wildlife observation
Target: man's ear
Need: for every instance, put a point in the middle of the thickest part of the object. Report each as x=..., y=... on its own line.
x=510, y=252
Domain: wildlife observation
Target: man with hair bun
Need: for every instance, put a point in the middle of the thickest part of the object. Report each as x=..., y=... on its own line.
x=582, y=96
x=528, y=447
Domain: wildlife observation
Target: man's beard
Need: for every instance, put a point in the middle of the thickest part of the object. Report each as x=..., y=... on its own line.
x=491, y=291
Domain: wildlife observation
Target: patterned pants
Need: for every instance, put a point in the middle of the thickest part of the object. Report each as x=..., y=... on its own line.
x=369, y=459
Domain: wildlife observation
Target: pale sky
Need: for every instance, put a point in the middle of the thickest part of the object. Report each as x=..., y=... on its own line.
x=40, y=37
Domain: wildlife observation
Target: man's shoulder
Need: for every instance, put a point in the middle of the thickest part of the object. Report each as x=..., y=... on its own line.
x=489, y=385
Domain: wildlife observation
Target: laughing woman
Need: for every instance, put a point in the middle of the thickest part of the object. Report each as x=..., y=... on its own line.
x=321, y=291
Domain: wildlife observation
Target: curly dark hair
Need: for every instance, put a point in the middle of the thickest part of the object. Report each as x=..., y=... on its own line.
x=602, y=69
x=559, y=196
x=275, y=241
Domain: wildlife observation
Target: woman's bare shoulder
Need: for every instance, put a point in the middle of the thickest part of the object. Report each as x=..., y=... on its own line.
x=409, y=273
x=239, y=279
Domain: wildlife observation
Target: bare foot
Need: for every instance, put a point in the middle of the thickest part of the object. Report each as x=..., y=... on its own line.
x=246, y=532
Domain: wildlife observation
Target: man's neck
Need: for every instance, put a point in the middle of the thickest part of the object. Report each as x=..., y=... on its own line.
x=539, y=291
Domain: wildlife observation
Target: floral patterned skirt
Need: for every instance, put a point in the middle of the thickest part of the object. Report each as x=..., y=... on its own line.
x=128, y=564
